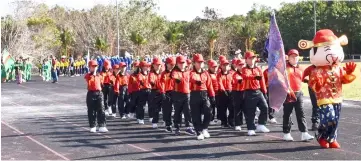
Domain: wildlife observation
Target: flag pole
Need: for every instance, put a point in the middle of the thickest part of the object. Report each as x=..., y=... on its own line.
x=117, y=28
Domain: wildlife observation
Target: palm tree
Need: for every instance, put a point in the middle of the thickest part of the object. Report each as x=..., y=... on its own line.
x=173, y=37
x=67, y=40
x=248, y=35
x=212, y=38
x=138, y=40
x=101, y=44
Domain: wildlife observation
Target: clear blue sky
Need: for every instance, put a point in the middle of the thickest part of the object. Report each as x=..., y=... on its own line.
x=172, y=9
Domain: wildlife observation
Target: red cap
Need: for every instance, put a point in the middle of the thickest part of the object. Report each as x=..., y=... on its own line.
x=136, y=64
x=249, y=54
x=222, y=57
x=212, y=63
x=122, y=64
x=157, y=61
x=198, y=58
x=144, y=64
x=107, y=64
x=224, y=61
x=93, y=63
x=170, y=60
x=189, y=61
x=116, y=66
x=293, y=52
x=240, y=62
x=234, y=61
x=181, y=59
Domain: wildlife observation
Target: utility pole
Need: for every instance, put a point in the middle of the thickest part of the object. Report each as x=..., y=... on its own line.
x=117, y=28
x=314, y=13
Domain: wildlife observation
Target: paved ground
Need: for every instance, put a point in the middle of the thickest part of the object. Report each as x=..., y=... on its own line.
x=41, y=120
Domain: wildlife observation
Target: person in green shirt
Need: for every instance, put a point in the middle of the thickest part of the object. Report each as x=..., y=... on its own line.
x=46, y=70
x=28, y=67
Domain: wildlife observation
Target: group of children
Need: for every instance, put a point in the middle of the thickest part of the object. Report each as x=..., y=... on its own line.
x=225, y=91
x=20, y=71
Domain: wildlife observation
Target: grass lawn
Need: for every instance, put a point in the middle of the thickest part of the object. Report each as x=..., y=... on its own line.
x=350, y=91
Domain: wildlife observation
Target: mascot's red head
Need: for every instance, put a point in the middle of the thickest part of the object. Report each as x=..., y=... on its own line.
x=326, y=48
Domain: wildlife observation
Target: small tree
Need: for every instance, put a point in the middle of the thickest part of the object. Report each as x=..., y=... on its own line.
x=101, y=45
x=67, y=40
x=212, y=38
x=138, y=40
x=173, y=37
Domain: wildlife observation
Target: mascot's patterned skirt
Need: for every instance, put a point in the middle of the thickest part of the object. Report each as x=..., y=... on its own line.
x=329, y=116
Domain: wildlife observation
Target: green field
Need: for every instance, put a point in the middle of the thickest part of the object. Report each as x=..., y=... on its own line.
x=350, y=91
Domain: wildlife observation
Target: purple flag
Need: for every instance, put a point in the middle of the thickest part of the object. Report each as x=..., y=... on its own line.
x=277, y=75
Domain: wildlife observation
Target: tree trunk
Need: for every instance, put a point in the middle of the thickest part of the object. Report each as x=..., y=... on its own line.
x=211, y=48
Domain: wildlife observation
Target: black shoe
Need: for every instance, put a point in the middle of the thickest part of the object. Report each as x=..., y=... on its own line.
x=314, y=127
x=169, y=129
x=190, y=131
x=177, y=132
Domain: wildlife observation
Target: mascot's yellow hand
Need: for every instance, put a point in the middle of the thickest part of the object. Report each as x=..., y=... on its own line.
x=350, y=67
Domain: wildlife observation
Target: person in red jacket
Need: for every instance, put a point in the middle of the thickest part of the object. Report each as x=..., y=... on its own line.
x=212, y=71
x=314, y=116
x=120, y=89
x=155, y=97
x=94, y=99
x=201, y=95
x=114, y=93
x=167, y=85
x=255, y=95
x=237, y=95
x=180, y=96
x=143, y=89
x=224, y=78
x=132, y=87
x=234, y=65
x=294, y=99
x=107, y=86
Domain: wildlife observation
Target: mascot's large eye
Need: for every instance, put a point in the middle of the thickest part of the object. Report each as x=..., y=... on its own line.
x=314, y=50
x=327, y=48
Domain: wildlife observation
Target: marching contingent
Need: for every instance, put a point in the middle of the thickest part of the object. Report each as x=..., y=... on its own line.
x=227, y=91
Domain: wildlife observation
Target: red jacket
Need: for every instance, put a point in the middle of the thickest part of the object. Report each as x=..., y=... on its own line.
x=307, y=72
x=236, y=85
x=225, y=81
x=120, y=80
x=107, y=77
x=93, y=82
x=295, y=75
x=214, y=81
x=206, y=82
x=154, y=80
x=166, y=83
x=183, y=86
x=250, y=82
x=132, y=84
x=265, y=75
x=142, y=81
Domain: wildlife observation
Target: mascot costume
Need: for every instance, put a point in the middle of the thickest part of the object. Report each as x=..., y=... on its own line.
x=326, y=80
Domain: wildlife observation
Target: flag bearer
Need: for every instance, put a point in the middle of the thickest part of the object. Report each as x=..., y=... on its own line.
x=201, y=95
x=155, y=97
x=167, y=86
x=94, y=99
x=294, y=99
x=106, y=74
x=121, y=90
x=224, y=78
x=212, y=71
x=180, y=96
x=143, y=86
x=255, y=93
x=238, y=95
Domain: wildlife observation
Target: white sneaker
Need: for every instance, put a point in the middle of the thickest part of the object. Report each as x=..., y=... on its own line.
x=128, y=115
x=306, y=137
x=238, y=128
x=262, y=128
x=132, y=115
x=287, y=137
x=141, y=122
x=202, y=117
x=206, y=133
x=103, y=129
x=110, y=111
x=200, y=137
x=93, y=130
x=124, y=118
x=106, y=113
x=150, y=120
x=213, y=122
x=155, y=126
x=273, y=121
x=257, y=109
x=256, y=117
x=251, y=133
x=114, y=115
